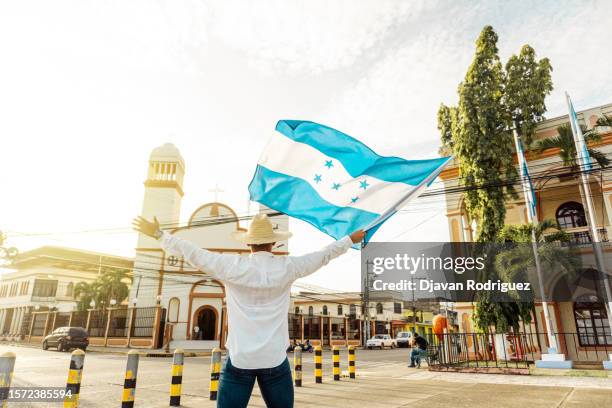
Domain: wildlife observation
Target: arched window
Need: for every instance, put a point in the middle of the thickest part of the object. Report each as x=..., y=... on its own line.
x=353, y=310
x=297, y=310
x=571, y=215
x=339, y=310
x=173, y=310
x=310, y=311
x=325, y=309
x=379, y=308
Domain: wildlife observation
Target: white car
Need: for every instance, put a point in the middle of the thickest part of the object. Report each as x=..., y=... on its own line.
x=403, y=339
x=381, y=341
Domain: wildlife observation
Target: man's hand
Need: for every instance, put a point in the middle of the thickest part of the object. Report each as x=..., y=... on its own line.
x=357, y=236
x=151, y=229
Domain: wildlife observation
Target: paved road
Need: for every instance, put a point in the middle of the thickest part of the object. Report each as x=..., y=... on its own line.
x=383, y=381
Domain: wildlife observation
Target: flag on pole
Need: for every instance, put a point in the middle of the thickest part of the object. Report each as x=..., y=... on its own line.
x=582, y=151
x=333, y=181
x=530, y=197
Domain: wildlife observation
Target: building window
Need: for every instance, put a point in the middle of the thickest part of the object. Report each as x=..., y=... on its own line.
x=325, y=310
x=44, y=288
x=297, y=310
x=379, y=308
x=571, y=215
x=353, y=311
x=310, y=311
x=340, y=310
x=173, y=310
x=592, y=324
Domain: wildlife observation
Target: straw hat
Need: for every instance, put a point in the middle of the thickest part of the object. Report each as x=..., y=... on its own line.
x=260, y=232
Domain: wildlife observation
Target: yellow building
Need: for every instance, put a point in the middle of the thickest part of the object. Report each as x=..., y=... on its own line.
x=581, y=325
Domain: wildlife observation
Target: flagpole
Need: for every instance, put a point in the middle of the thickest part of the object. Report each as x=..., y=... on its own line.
x=584, y=166
x=552, y=340
x=399, y=203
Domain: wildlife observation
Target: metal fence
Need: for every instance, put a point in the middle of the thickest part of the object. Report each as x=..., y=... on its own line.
x=474, y=351
x=144, y=322
x=119, y=321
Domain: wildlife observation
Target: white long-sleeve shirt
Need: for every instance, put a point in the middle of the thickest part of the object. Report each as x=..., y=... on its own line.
x=257, y=289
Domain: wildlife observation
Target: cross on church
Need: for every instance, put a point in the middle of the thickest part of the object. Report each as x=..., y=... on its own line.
x=216, y=190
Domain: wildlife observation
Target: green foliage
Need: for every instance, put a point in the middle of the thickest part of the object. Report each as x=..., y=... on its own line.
x=528, y=81
x=512, y=265
x=564, y=141
x=478, y=131
x=109, y=285
x=494, y=100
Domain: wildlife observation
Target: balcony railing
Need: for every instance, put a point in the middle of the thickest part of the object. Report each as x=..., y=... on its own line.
x=582, y=236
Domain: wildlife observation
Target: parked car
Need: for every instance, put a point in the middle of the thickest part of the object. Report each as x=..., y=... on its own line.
x=403, y=339
x=381, y=341
x=66, y=338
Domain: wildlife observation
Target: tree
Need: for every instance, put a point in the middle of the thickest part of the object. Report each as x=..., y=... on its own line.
x=110, y=285
x=475, y=132
x=528, y=82
x=564, y=141
x=604, y=121
x=85, y=292
x=511, y=263
x=478, y=132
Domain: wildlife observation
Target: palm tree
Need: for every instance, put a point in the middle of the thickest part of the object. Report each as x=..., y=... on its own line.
x=604, y=121
x=113, y=286
x=109, y=285
x=564, y=141
x=85, y=292
x=512, y=263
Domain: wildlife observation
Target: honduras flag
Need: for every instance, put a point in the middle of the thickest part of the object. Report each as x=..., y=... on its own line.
x=333, y=181
x=582, y=151
x=530, y=197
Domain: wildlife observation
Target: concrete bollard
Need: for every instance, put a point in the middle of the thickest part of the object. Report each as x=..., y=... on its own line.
x=297, y=366
x=336, y=361
x=75, y=374
x=7, y=365
x=351, y=361
x=215, y=369
x=318, y=365
x=177, y=378
x=129, y=385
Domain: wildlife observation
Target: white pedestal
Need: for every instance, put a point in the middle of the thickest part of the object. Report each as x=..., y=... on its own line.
x=553, y=360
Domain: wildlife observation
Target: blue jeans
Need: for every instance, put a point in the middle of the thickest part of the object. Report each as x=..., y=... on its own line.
x=236, y=385
x=415, y=356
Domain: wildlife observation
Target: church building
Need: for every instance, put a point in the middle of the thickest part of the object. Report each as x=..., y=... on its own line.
x=193, y=308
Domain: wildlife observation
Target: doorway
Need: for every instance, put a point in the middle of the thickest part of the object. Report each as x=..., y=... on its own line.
x=206, y=323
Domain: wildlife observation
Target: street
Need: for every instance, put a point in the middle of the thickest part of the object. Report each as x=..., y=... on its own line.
x=383, y=380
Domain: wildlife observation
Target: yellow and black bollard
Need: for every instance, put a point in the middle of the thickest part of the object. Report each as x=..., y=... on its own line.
x=351, y=361
x=177, y=378
x=215, y=369
x=318, y=365
x=297, y=366
x=129, y=385
x=336, y=360
x=7, y=364
x=75, y=374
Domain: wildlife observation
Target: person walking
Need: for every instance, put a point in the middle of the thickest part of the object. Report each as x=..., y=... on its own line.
x=258, y=293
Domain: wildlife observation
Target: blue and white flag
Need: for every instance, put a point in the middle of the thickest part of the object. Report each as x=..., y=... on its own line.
x=582, y=151
x=333, y=181
x=530, y=197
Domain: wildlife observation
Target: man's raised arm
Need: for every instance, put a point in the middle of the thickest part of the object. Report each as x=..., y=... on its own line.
x=217, y=265
x=307, y=264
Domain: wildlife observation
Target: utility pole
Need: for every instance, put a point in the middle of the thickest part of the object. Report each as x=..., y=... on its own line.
x=365, y=305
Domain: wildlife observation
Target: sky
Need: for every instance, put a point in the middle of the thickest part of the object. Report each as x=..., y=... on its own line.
x=89, y=88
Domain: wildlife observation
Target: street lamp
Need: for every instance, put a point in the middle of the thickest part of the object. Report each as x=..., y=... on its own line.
x=158, y=299
x=92, y=304
x=113, y=302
